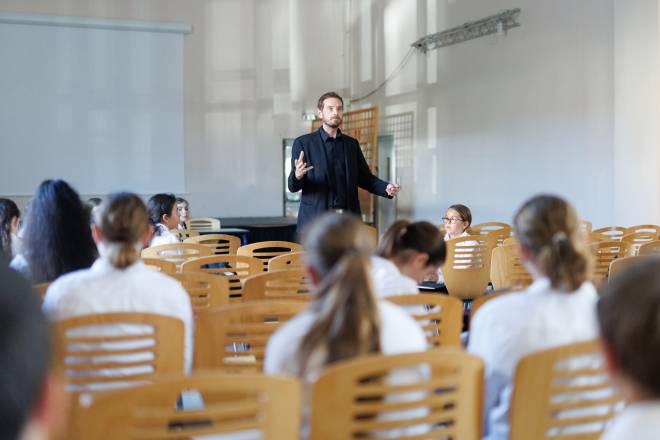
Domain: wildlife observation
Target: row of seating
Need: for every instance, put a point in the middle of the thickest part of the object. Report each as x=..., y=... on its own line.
x=558, y=393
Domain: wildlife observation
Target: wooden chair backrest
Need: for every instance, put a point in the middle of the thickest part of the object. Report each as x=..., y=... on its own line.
x=507, y=270
x=636, y=239
x=89, y=344
x=235, y=269
x=265, y=250
x=480, y=301
x=177, y=253
x=622, y=264
x=41, y=289
x=291, y=260
x=289, y=284
x=604, y=253
x=183, y=234
x=560, y=390
x=500, y=230
x=511, y=240
x=205, y=290
x=220, y=244
x=650, y=248
x=201, y=223
x=443, y=319
x=608, y=233
x=159, y=265
x=467, y=268
x=654, y=229
x=359, y=398
x=266, y=404
x=233, y=338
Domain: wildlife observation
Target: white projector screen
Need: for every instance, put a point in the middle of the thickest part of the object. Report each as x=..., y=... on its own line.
x=96, y=102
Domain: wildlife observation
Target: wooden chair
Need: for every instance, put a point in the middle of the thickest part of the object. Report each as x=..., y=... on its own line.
x=183, y=234
x=608, y=233
x=443, y=320
x=500, y=230
x=177, y=253
x=622, y=264
x=653, y=229
x=289, y=284
x=205, y=290
x=160, y=265
x=201, y=223
x=236, y=268
x=265, y=250
x=511, y=240
x=291, y=260
x=98, y=357
x=233, y=338
x=636, y=239
x=604, y=253
x=41, y=289
x=650, y=248
x=478, y=302
x=467, y=268
x=265, y=404
x=507, y=270
x=220, y=244
x=558, y=391
x=360, y=397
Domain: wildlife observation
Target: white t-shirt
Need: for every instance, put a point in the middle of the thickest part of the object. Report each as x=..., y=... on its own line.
x=105, y=289
x=163, y=236
x=514, y=325
x=389, y=281
x=399, y=333
x=639, y=421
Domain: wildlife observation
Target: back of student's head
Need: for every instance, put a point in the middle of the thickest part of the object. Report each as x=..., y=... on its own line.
x=159, y=205
x=548, y=227
x=8, y=212
x=58, y=238
x=24, y=353
x=338, y=250
x=123, y=221
x=403, y=239
x=629, y=319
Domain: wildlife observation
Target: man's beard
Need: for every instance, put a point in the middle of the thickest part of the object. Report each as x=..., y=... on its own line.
x=332, y=124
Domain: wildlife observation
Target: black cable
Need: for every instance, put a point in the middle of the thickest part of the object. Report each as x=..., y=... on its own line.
x=400, y=67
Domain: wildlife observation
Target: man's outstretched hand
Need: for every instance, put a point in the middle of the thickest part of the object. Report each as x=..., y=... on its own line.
x=301, y=166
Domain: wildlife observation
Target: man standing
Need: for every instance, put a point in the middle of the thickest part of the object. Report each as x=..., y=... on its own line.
x=328, y=166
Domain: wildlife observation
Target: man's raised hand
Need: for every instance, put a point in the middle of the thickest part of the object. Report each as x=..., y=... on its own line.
x=301, y=166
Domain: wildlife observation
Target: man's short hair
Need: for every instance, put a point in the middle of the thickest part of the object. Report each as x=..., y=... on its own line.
x=326, y=96
x=629, y=318
x=24, y=352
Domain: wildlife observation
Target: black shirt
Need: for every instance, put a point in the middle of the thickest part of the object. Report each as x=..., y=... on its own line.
x=335, y=155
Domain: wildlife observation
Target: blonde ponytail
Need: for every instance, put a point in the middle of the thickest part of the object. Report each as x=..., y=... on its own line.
x=123, y=221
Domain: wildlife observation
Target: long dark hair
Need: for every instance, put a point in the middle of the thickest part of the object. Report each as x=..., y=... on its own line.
x=404, y=238
x=8, y=212
x=159, y=205
x=58, y=238
x=338, y=248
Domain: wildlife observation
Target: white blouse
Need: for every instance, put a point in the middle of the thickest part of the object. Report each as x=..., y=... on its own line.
x=639, y=421
x=163, y=236
x=389, y=281
x=507, y=328
x=105, y=289
x=399, y=333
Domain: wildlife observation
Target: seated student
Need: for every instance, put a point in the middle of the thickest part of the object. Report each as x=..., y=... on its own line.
x=457, y=221
x=345, y=320
x=118, y=281
x=33, y=399
x=558, y=308
x=629, y=318
x=183, y=207
x=164, y=216
x=10, y=222
x=407, y=254
x=57, y=237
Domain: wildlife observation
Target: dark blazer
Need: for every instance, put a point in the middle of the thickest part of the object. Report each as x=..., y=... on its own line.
x=315, y=184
